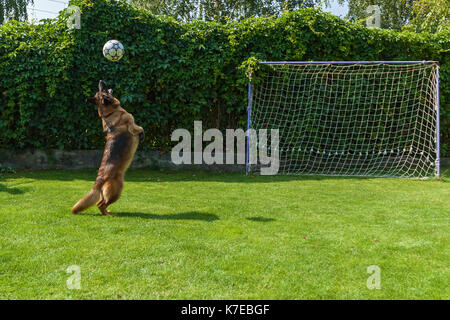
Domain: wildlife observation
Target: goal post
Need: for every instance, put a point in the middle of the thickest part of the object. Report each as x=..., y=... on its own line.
x=348, y=118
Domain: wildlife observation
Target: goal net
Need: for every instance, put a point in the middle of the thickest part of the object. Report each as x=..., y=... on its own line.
x=378, y=119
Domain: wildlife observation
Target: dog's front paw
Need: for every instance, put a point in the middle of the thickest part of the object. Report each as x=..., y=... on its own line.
x=141, y=136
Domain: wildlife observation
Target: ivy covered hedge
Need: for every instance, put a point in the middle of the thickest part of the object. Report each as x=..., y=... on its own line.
x=172, y=73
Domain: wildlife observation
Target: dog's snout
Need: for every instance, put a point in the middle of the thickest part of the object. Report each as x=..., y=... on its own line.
x=102, y=87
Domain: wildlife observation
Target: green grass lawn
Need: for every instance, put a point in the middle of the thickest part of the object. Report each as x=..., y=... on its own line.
x=190, y=235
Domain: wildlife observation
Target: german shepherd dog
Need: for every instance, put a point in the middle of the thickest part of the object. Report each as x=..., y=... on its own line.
x=122, y=139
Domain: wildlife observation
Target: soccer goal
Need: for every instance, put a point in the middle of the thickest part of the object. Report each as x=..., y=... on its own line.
x=349, y=118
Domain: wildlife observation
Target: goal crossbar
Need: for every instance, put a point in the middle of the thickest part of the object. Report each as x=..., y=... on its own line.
x=345, y=62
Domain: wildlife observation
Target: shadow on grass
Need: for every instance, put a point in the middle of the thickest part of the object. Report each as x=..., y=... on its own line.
x=158, y=176
x=11, y=190
x=192, y=215
x=260, y=219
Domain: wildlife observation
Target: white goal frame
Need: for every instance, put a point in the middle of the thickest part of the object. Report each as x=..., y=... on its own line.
x=389, y=161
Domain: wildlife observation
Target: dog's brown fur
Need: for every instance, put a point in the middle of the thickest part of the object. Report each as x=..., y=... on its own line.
x=122, y=139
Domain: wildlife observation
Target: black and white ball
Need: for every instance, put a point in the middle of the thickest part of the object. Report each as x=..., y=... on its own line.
x=113, y=50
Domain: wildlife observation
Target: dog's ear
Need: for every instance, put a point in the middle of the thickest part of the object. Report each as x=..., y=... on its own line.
x=91, y=100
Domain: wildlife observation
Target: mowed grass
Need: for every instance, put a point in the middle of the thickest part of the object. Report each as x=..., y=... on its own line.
x=190, y=235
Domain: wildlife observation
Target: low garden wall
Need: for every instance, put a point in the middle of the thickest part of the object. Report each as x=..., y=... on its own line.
x=86, y=159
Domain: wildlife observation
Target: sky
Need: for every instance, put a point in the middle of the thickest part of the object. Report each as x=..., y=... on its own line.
x=44, y=9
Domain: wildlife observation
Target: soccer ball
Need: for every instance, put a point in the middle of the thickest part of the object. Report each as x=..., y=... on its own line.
x=113, y=50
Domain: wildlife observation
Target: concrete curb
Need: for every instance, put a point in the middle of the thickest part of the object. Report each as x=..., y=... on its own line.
x=89, y=159
x=445, y=162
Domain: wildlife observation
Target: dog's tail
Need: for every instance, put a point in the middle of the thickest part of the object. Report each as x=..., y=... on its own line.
x=88, y=200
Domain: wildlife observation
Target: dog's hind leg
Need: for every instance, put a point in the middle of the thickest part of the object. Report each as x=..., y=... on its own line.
x=100, y=202
x=111, y=191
